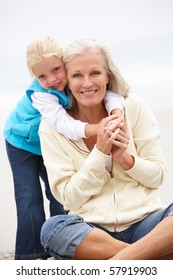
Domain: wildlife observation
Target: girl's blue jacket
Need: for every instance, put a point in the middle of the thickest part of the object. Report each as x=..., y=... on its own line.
x=21, y=127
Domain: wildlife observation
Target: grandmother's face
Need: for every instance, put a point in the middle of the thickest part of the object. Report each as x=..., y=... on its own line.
x=87, y=78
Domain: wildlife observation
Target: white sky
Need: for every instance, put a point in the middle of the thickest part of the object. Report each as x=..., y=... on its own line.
x=138, y=32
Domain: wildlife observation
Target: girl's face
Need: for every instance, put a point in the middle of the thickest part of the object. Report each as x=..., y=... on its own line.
x=50, y=72
x=87, y=78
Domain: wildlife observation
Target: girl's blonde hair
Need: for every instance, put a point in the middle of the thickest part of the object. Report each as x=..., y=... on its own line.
x=42, y=48
x=116, y=82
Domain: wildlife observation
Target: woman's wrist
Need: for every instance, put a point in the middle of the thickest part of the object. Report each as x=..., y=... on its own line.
x=126, y=161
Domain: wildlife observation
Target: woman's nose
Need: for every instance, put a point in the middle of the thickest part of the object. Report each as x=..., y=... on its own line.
x=87, y=82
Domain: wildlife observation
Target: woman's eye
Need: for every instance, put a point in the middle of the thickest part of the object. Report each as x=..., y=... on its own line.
x=95, y=73
x=76, y=75
x=56, y=69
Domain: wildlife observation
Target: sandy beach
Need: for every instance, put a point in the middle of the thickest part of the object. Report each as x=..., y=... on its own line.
x=7, y=204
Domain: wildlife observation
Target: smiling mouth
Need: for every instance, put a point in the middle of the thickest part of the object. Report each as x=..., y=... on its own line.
x=91, y=92
x=57, y=85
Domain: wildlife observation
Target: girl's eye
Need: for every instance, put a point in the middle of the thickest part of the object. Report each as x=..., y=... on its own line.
x=41, y=77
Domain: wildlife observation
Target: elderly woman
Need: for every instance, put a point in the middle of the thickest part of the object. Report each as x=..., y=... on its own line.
x=109, y=183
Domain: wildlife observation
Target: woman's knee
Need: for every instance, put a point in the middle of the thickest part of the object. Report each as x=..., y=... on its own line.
x=60, y=235
x=49, y=227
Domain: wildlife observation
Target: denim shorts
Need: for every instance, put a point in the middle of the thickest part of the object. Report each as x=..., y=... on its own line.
x=60, y=235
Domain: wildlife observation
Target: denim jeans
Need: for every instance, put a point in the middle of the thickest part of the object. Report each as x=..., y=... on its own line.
x=60, y=235
x=28, y=169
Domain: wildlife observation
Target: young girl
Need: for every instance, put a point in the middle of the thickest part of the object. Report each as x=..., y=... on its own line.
x=47, y=96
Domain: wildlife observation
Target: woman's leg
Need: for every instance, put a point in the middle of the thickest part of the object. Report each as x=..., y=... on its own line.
x=151, y=238
x=69, y=237
x=157, y=243
x=82, y=241
x=29, y=203
x=98, y=245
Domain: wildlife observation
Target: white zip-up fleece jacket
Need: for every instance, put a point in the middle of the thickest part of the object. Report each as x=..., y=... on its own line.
x=114, y=199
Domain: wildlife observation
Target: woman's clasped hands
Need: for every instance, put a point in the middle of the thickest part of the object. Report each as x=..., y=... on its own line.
x=112, y=138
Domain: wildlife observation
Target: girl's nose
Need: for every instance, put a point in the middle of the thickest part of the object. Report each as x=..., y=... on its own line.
x=51, y=80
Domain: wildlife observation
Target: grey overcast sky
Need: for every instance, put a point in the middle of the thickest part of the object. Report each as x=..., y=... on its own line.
x=139, y=34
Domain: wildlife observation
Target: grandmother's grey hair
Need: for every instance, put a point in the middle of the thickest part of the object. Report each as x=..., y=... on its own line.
x=116, y=82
